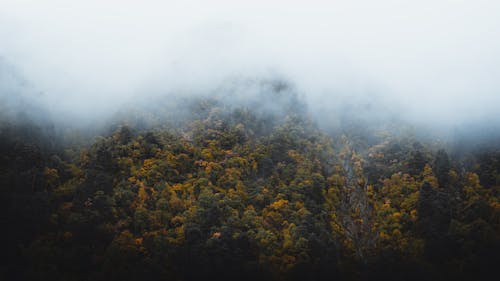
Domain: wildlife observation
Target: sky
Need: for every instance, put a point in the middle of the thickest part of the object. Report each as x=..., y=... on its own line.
x=430, y=61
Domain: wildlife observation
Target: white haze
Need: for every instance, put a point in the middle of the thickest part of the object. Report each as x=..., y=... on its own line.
x=428, y=61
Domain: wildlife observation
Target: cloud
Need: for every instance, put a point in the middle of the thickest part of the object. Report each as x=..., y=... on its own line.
x=427, y=61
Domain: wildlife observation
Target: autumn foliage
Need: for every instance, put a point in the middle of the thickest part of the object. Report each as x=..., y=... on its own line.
x=231, y=194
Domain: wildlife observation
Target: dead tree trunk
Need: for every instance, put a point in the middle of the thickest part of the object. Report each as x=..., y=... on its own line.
x=355, y=208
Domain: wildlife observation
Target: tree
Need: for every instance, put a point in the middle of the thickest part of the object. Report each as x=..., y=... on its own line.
x=441, y=168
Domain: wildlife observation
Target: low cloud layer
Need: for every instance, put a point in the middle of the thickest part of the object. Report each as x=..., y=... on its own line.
x=429, y=62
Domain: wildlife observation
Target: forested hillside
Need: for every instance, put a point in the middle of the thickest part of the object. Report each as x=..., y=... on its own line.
x=235, y=192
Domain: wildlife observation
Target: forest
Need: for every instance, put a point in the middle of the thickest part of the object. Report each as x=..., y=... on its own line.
x=234, y=191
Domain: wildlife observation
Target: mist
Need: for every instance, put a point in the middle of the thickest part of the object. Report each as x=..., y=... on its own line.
x=249, y=140
x=434, y=64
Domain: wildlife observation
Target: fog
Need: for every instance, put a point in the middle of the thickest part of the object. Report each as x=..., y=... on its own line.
x=431, y=63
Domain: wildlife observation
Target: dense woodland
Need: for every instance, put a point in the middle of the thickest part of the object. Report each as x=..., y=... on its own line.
x=234, y=192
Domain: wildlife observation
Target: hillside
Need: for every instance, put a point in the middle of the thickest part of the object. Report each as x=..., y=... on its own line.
x=229, y=192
